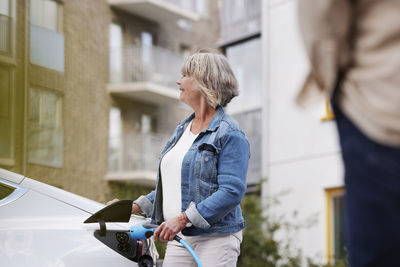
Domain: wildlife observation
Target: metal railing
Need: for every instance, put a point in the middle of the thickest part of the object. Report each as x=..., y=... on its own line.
x=5, y=34
x=144, y=64
x=136, y=152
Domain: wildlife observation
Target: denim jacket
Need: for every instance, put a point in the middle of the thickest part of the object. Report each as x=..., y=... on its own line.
x=213, y=179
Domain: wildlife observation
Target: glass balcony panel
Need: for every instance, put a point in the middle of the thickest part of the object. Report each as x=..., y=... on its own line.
x=145, y=64
x=138, y=152
x=46, y=48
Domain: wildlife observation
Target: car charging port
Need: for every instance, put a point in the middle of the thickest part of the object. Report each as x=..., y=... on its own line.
x=123, y=241
x=122, y=237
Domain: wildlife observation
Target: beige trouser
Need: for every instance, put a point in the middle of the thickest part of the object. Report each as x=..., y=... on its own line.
x=213, y=251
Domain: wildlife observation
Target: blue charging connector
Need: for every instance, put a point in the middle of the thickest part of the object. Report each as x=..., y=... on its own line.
x=145, y=231
x=142, y=231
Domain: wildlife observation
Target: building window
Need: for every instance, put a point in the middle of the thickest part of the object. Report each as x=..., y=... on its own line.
x=248, y=73
x=6, y=115
x=46, y=38
x=5, y=7
x=116, y=53
x=147, y=47
x=239, y=18
x=47, y=14
x=45, y=128
x=115, y=140
x=335, y=200
x=250, y=122
x=6, y=27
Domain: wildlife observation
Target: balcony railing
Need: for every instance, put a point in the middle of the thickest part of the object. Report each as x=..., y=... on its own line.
x=239, y=19
x=144, y=64
x=5, y=34
x=135, y=157
x=145, y=73
x=159, y=10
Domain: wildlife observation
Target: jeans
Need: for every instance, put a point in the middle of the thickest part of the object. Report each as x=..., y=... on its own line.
x=372, y=215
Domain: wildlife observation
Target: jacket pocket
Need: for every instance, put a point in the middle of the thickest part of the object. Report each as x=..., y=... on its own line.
x=207, y=162
x=206, y=189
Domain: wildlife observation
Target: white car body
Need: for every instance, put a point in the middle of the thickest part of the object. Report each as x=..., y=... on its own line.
x=41, y=225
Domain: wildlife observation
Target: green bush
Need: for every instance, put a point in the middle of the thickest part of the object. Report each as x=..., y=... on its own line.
x=259, y=247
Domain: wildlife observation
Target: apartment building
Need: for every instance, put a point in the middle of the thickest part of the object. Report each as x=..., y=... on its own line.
x=87, y=88
x=148, y=43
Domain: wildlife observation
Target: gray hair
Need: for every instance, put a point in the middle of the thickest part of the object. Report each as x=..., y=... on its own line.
x=213, y=74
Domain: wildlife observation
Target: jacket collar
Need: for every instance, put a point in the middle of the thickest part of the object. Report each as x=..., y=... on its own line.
x=215, y=122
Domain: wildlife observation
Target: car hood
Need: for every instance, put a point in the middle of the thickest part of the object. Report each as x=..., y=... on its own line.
x=79, y=202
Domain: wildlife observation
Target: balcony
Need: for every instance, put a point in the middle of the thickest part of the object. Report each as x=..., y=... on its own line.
x=5, y=35
x=147, y=74
x=160, y=11
x=135, y=158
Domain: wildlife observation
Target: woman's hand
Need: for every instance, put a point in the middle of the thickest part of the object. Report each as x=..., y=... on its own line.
x=167, y=230
x=135, y=207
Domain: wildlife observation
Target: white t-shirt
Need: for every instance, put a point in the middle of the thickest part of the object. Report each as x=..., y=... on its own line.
x=171, y=167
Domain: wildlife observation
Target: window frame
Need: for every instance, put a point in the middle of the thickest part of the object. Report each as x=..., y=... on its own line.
x=9, y=55
x=330, y=193
x=59, y=16
x=55, y=37
x=10, y=161
x=59, y=108
x=232, y=109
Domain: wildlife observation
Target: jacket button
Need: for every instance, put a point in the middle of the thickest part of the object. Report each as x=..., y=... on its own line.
x=206, y=159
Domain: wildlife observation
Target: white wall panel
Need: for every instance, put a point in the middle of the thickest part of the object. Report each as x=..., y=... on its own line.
x=305, y=182
x=294, y=132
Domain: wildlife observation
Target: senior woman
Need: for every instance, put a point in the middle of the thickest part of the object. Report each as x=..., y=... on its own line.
x=202, y=170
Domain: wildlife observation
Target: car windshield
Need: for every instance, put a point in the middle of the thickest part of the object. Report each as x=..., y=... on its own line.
x=5, y=191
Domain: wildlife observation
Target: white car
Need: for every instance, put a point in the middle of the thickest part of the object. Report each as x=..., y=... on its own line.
x=41, y=225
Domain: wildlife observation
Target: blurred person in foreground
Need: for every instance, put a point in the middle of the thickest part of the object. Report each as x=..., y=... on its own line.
x=354, y=52
x=202, y=170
